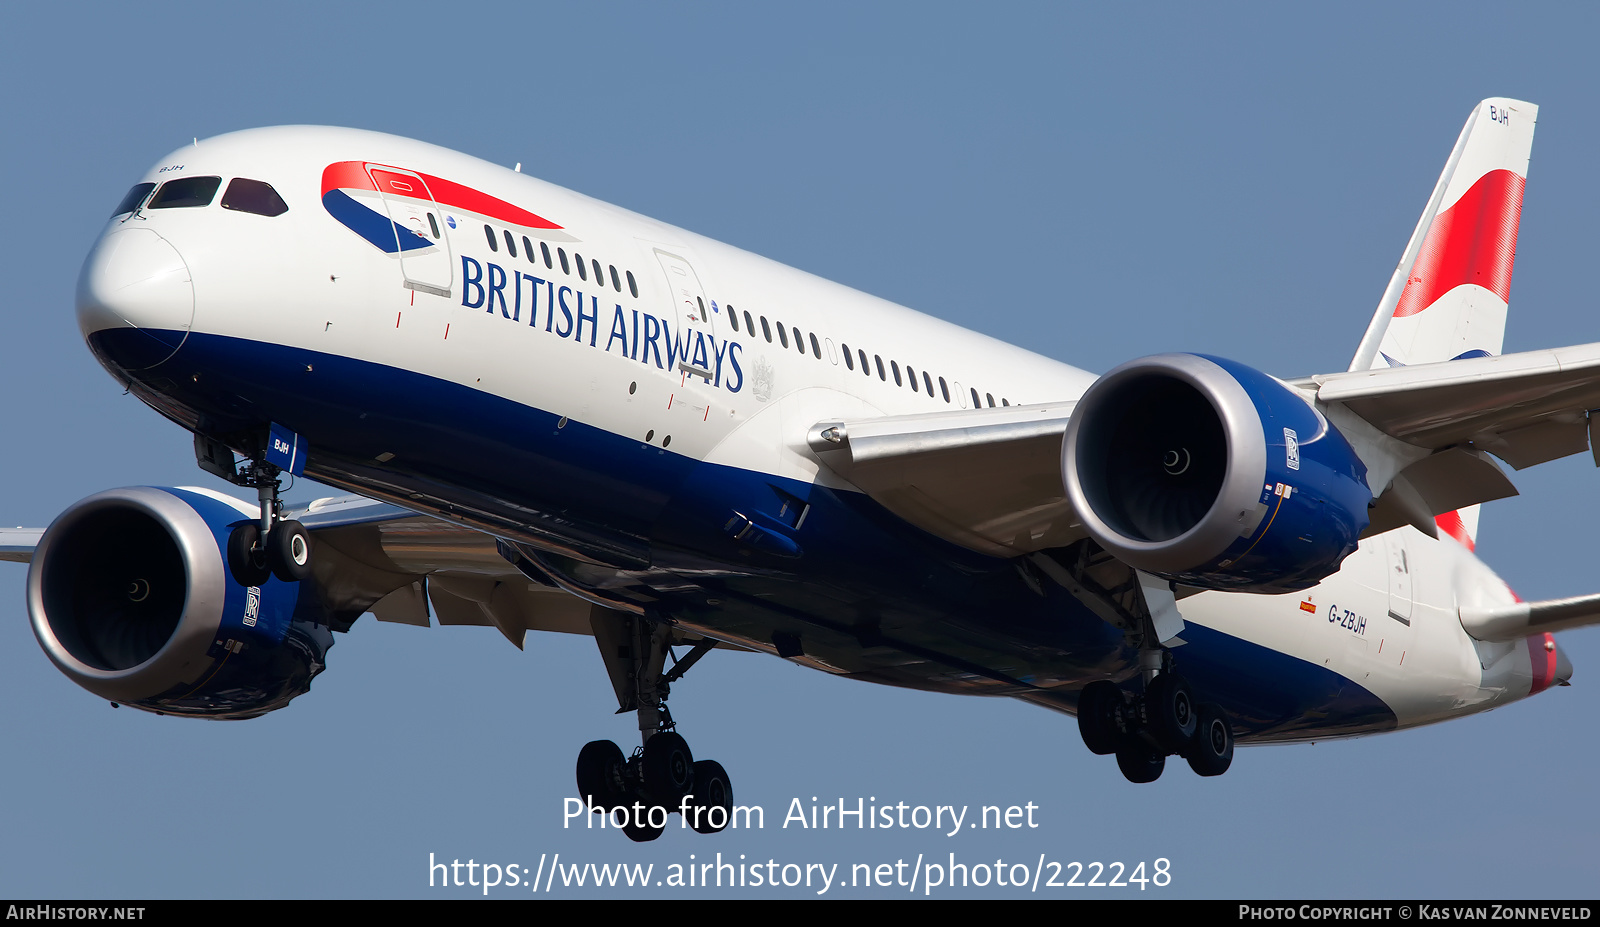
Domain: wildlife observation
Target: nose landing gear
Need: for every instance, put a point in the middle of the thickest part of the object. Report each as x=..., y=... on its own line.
x=271, y=545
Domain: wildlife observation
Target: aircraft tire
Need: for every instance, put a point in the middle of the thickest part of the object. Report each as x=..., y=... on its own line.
x=1211, y=751
x=1139, y=761
x=668, y=768
x=1097, y=724
x=712, y=790
x=245, y=560
x=600, y=764
x=640, y=831
x=1170, y=712
x=289, y=551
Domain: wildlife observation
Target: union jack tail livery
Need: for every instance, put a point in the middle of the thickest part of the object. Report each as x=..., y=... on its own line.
x=1447, y=299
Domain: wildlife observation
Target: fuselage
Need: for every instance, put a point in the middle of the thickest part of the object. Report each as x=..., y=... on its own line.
x=468, y=341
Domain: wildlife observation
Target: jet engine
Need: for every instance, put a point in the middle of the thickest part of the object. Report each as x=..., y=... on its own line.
x=1212, y=474
x=131, y=597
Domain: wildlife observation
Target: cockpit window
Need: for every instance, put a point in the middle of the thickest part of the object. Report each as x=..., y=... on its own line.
x=255, y=196
x=134, y=198
x=185, y=192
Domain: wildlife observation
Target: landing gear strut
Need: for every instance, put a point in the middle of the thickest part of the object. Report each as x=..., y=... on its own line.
x=662, y=776
x=1161, y=719
x=271, y=545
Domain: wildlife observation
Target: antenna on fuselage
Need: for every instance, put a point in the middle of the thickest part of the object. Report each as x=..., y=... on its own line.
x=518, y=168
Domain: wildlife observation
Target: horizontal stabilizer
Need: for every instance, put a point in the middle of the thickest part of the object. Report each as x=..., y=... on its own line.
x=987, y=479
x=1520, y=619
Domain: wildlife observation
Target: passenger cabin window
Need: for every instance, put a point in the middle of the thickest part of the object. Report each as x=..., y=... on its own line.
x=511, y=246
x=991, y=399
x=816, y=348
x=583, y=274
x=258, y=198
x=783, y=334
x=750, y=326
x=767, y=332
x=494, y=244
x=598, y=276
x=632, y=287
x=864, y=369
x=896, y=368
x=881, y=375
x=134, y=198
x=976, y=404
x=928, y=382
x=944, y=388
x=912, y=376
x=849, y=360
x=799, y=342
x=527, y=248
x=733, y=318
x=616, y=282
x=545, y=250
x=186, y=192
x=562, y=254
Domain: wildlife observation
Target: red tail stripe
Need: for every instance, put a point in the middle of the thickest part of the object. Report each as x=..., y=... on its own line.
x=1542, y=654
x=1474, y=241
x=1450, y=523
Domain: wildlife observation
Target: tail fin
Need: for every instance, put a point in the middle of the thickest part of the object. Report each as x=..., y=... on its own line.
x=1447, y=298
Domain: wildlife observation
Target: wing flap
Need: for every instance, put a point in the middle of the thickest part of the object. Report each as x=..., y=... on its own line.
x=1449, y=480
x=987, y=479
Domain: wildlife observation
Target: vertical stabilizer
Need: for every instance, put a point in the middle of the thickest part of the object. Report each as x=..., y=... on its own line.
x=1448, y=296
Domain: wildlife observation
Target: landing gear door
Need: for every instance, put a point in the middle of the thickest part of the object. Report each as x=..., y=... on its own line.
x=425, y=259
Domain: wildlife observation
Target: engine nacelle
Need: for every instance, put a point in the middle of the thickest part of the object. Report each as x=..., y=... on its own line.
x=131, y=597
x=1212, y=474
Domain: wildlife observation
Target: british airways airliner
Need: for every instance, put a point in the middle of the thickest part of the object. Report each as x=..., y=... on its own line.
x=553, y=414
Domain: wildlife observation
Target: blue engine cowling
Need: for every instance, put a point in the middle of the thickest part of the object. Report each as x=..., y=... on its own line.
x=1212, y=474
x=131, y=597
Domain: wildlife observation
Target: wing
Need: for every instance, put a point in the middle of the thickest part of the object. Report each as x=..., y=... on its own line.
x=991, y=479
x=1524, y=408
x=372, y=556
x=17, y=544
x=987, y=479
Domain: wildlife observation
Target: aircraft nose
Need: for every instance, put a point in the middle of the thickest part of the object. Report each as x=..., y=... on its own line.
x=135, y=299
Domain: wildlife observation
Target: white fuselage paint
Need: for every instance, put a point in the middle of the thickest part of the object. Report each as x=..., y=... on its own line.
x=303, y=280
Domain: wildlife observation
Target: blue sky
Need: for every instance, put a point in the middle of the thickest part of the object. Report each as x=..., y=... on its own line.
x=1096, y=184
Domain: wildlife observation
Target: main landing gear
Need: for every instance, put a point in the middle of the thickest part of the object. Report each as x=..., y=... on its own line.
x=662, y=777
x=1141, y=728
x=1144, y=729
x=272, y=545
